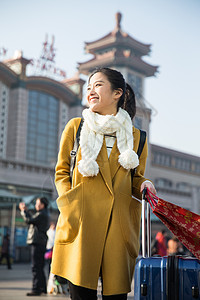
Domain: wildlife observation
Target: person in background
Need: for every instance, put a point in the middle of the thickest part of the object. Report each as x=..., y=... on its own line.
x=37, y=239
x=174, y=247
x=5, y=250
x=98, y=230
x=50, y=243
x=159, y=246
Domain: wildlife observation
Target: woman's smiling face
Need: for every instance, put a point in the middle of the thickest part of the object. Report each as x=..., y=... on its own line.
x=100, y=96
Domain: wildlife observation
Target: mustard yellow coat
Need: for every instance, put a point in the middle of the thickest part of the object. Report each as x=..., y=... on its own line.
x=99, y=222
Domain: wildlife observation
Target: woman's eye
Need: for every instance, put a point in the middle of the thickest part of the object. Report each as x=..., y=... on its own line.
x=98, y=84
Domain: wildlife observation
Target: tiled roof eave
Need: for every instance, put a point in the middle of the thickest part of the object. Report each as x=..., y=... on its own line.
x=114, y=41
x=137, y=64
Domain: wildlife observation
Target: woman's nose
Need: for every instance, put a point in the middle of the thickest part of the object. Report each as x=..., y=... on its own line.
x=92, y=91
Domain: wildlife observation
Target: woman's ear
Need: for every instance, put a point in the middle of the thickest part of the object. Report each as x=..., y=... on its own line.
x=118, y=93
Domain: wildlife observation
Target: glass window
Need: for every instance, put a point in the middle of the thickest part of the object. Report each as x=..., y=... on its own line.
x=34, y=94
x=52, y=146
x=162, y=159
x=41, y=140
x=42, y=114
x=182, y=164
x=40, y=154
x=31, y=156
x=52, y=116
x=197, y=168
x=183, y=186
x=163, y=183
x=138, y=122
x=42, y=131
x=32, y=122
x=42, y=127
x=44, y=101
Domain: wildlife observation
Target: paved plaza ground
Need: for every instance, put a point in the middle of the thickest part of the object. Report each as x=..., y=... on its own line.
x=15, y=283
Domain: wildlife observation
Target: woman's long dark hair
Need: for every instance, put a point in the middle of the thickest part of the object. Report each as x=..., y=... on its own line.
x=116, y=79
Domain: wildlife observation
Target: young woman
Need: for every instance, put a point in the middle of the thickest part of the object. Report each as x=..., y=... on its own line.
x=99, y=224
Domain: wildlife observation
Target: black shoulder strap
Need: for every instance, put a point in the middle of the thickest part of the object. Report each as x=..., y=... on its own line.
x=140, y=148
x=142, y=142
x=75, y=149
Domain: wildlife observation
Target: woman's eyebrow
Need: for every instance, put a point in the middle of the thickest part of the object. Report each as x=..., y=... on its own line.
x=96, y=82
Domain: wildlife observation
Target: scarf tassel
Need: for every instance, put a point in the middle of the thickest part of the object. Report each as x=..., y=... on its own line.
x=128, y=159
x=88, y=168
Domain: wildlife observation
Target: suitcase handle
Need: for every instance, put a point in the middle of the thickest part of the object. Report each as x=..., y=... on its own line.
x=146, y=229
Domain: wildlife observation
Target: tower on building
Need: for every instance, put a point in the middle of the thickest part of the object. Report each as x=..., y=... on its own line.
x=120, y=51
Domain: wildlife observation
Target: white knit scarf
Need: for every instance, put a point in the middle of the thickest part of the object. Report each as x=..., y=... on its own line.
x=91, y=140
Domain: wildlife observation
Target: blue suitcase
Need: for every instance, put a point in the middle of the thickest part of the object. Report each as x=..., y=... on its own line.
x=167, y=278
x=164, y=278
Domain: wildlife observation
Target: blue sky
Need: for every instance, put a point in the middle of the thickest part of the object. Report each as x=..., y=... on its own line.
x=171, y=26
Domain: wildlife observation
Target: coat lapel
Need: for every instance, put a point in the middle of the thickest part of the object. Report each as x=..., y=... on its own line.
x=113, y=160
x=104, y=166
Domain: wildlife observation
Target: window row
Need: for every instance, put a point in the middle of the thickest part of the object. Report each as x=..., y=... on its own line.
x=179, y=163
x=167, y=183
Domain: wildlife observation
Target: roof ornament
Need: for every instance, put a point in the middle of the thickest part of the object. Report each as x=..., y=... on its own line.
x=3, y=52
x=118, y=17
x=45, y=65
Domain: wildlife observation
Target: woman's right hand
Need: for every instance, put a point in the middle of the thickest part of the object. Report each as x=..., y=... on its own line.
x=22, y=206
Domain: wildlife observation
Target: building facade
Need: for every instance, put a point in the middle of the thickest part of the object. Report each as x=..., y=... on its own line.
x=34, y=112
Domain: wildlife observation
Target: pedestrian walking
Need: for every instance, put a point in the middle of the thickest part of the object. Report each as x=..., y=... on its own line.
x=98, y=229
x=5, y=250
x=50, y=243
x=159, y=245
x=37, y=239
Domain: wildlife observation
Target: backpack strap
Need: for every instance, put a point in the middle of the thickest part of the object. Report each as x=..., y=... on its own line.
x=140, y=148
x=142, y=142
x=75, y=149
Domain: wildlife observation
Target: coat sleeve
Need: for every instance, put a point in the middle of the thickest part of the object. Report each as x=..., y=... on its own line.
x=62, y=175
x=139, y=178
x=29, y=219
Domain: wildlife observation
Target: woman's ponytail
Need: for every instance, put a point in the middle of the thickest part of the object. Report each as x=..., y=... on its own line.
x=127, y=101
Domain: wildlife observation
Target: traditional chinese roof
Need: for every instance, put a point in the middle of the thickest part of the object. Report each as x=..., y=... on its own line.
x=118, y=58
x=119, y=39
x=117, y=49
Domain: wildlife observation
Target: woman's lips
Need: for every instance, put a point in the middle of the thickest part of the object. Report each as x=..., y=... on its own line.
x=93, y=99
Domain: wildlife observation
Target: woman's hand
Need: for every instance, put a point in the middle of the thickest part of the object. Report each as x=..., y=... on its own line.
x=149, y=185
x=22, y=206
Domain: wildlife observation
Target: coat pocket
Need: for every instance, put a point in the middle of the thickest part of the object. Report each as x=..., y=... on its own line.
x=130, y=219
x=71, y=209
